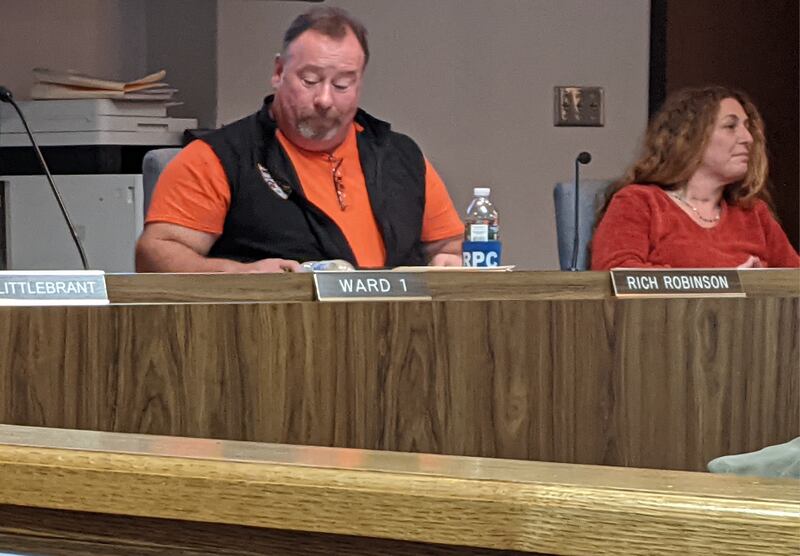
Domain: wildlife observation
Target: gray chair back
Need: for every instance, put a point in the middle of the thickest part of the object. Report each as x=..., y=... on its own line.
x=153, y=164
x=564, y=199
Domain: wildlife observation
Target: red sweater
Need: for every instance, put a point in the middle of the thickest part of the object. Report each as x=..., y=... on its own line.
x=643, y=227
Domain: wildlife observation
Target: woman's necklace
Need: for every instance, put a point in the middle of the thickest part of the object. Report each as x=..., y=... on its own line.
x=694, y=209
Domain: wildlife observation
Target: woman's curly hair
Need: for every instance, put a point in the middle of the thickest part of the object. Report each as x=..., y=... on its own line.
x=676, y=140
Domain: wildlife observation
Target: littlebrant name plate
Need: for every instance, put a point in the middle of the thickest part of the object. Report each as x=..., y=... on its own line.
x=53, y=287
x=677, y=283
x=371, y=286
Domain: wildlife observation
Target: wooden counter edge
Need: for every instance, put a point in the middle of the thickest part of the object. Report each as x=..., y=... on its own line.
x=540, y=517
x=444, y=286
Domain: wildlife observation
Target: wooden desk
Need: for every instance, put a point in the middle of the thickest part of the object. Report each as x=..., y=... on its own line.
x=79, y=492
x=529, y=365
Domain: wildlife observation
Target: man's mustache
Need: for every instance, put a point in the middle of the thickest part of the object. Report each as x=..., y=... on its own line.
x=320, y=122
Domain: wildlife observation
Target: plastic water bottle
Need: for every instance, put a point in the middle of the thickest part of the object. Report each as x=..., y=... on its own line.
x=482, y=246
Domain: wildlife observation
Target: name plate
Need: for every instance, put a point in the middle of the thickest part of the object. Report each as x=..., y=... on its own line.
x=371, y=286
x=677, y=283
x=53, y=287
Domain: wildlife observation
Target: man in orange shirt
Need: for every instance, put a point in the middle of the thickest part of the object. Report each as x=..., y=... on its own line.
x=308, y=177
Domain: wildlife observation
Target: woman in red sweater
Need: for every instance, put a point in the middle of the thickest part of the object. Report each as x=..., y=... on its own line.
x=697, y=196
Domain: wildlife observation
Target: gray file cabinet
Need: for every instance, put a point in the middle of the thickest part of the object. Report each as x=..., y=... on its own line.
x=106, y=210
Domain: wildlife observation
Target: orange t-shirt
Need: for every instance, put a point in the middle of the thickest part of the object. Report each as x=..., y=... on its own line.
x=193, y=192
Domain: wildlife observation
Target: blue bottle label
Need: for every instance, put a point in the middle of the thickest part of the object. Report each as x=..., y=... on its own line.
x=481, y=253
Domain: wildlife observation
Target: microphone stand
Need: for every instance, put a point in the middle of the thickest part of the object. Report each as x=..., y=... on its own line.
x=6, y=96
x=582, y=158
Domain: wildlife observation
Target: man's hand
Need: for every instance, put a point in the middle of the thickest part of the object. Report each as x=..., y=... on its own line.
x=272, y=265
x=445, y=252
x=445, y=259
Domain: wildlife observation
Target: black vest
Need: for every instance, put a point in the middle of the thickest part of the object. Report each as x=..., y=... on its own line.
x=262, y=224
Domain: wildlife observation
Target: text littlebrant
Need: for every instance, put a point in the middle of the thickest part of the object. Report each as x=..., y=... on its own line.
x=47, y=287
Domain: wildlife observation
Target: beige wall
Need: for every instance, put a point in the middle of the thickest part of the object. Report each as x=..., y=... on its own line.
x=181, y=38
x=472, y=81
x=119, y=39
x=104, y=37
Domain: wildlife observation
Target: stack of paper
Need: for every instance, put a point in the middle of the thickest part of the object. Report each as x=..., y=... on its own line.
x=57, y=84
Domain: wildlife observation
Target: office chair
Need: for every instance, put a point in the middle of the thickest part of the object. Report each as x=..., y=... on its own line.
x=564, y=199
x=153, y=164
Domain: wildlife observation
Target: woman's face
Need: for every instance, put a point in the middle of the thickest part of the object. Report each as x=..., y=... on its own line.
x=728, y=151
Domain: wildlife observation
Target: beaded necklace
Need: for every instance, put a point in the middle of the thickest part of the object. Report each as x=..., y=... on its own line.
x=694, y=209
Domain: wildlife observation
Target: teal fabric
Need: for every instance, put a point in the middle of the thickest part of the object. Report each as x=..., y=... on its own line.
x=782, y=460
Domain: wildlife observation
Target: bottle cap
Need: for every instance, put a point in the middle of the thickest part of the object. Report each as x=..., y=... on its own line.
x=481, y=191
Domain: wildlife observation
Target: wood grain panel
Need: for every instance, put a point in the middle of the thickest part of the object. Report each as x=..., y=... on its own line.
x=662, y=383
x=466, y=502
x=772, y=282
x=208, y=288
x=444, y=285
x=68, y=533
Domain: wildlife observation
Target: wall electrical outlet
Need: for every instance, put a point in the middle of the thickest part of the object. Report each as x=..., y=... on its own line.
x=579, y=106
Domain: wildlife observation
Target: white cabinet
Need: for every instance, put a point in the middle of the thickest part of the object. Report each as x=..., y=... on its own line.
x=106, y=210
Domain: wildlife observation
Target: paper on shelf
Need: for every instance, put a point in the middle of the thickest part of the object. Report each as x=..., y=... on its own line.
x=76, y=79
x=58, y=84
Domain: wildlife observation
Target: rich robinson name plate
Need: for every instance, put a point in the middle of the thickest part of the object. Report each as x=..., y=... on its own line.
x=370, y=286
x=53, y=287
x=677, y=283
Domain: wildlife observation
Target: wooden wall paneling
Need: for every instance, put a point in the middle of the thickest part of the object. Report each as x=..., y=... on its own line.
x=652, y=383
x=69, y=533
x=764, y=64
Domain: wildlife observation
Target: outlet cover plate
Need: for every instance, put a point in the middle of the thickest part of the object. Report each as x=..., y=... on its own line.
x=578, y=106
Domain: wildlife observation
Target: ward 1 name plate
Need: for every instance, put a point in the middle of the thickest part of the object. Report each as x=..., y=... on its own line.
x=53, y=287
x=677, y=283
x=371, y=286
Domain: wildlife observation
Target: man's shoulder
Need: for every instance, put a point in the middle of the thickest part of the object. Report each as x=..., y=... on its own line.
x=381, y=132
x=236, y=134
x=376, y=127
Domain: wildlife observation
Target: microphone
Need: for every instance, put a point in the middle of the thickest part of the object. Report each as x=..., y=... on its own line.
x=582, y=158
x=6, y=96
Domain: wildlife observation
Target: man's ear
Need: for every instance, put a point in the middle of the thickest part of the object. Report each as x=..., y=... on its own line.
x=277, y=72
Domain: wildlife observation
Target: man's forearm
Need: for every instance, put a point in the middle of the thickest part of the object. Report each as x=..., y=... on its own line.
x=164, y=255
x=447, y=246
x=445, y=252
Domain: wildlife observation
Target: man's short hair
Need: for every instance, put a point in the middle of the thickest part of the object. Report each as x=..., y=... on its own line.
x=330, y=21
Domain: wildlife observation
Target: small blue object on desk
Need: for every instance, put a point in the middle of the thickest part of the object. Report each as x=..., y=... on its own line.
x=481, y=254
